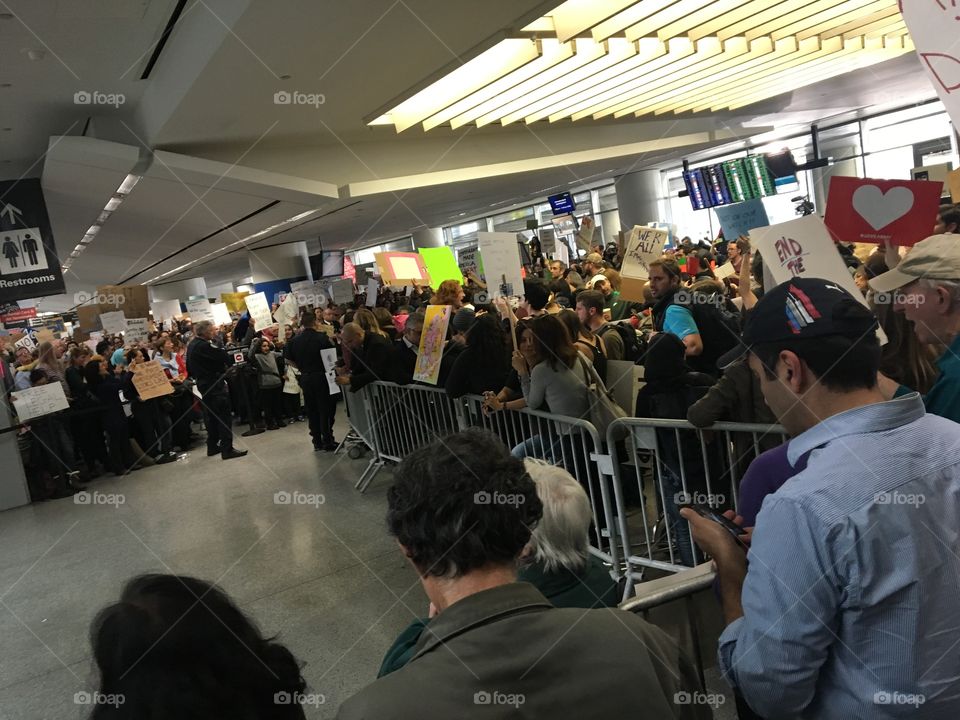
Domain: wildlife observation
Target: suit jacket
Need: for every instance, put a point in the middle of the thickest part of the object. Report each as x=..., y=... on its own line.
x=371, y=362
x=508, y=648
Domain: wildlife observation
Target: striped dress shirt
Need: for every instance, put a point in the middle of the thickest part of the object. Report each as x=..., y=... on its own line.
x=852, y=598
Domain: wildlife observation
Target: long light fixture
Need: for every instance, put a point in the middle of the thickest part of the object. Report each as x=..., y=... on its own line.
x=241, y=241
x=129, y=182
x=600, y=58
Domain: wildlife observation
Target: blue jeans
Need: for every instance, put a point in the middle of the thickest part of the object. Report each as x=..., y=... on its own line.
x=536, y=448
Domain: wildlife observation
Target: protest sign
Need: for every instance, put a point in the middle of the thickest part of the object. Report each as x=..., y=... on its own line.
x=164, y=310
x=27, y=342
x=803, y=248
x=342, y=291
x=584, y=237
x=432, y=339
x=402, y=268
x=221, y=314
x=879, y=211
x=234, y=301
x=373, y=286
x=43, y=335
x=259, y=310
x=39, y=400
x=501, y=263
x=199, y=310
x=329, y=358
x=441, y=265
x=469, y=262
x=151, y=381
x=725, y=270
x=740, y=218
x=643, y=245
x=113, y=322
x=137, y=329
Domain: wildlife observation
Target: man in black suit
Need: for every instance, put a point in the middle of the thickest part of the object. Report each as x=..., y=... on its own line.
x=305, y=352
x=207, y=364
x=371, y=357
x=405, y=350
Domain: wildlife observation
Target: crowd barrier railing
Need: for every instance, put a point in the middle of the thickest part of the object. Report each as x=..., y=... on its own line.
x=634, y=483
x=662, y=464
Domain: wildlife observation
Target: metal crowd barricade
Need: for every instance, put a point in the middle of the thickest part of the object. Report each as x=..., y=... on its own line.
x=663, y=463
x=361, y=431
x=571, y=443
x=403, y=418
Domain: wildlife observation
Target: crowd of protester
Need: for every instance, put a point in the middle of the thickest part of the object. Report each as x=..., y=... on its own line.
x=853, y=585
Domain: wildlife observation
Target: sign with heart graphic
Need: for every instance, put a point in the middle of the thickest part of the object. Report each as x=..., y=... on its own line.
x=879, y=211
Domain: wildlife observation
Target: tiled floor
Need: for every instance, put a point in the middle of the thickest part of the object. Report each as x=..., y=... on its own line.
x=327, y=578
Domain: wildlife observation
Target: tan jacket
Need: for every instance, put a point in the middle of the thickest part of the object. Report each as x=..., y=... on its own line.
x=507, y=653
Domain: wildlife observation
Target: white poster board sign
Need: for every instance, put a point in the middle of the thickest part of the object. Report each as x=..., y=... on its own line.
x=501, y=263
x=113, y=322
x=643, y=245
x=39, y=400
x=342, y=291
x=221, y=314
x=933, y=30
x=468, y=261
x=259, y=310
x=373, y=287
x=137, y=329
x=165, y=310
x=804, y=248
x=199, y=310
x=330, y=363
x=27, y=342
x=725, y=270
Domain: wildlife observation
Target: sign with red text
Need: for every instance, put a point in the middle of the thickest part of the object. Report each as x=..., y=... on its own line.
x=804, y=248
x=880, y=211
x=933, y=28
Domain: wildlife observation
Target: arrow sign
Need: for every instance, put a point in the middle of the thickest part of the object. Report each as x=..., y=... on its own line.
x=12, y=213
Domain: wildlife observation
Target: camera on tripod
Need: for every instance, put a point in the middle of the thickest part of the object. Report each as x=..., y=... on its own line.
x=803, y=206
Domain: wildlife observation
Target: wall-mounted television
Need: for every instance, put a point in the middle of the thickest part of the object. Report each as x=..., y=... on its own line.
x=562, y=203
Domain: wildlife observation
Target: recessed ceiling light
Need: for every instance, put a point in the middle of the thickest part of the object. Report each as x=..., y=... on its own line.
x=285, y=77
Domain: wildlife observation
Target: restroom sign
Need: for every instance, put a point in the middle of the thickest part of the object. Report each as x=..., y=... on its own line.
x=29, y=266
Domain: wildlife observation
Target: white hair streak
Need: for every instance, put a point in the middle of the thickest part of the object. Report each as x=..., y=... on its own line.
x=561, y=538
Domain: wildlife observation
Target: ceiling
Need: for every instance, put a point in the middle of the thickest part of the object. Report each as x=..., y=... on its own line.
x=222, y=162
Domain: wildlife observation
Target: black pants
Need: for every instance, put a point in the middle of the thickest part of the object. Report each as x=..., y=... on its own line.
x=291, y=405
x=121, y=455
x=87, y=428
x=320, y=407
x=271, y=402
x=154, y=426
x=218, y=419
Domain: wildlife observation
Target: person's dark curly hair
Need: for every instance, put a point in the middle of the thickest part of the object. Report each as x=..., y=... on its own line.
x=178, y=647
x=461, y=503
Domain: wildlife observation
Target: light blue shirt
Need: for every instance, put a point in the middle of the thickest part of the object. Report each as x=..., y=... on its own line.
x=852, y=598
x=678, y=320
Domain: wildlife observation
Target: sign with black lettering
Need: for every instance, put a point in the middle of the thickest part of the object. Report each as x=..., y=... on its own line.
x=29, y=266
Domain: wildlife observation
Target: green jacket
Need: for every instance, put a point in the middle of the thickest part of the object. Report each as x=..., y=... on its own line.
x=509, y=650
x=944, y=397
x=591, y=588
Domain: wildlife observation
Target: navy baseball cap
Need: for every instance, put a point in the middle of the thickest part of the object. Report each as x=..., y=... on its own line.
x=802, y=308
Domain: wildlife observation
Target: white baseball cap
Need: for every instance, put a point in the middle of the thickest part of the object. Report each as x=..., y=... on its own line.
x=936, y=258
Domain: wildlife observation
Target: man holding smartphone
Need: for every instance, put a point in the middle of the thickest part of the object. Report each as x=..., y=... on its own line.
x=848, y=609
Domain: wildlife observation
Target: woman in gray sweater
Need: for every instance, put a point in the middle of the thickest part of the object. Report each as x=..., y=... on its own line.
x=269, y=382
x=553, y=381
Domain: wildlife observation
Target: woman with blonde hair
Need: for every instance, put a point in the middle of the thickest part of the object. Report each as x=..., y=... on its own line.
x=365, y=318
x=450, y=292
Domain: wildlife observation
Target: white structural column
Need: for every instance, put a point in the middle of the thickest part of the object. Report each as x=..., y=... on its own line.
x=637, y=195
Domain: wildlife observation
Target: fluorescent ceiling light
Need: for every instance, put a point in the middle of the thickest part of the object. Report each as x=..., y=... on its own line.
x=129, y=182
x=597, y=58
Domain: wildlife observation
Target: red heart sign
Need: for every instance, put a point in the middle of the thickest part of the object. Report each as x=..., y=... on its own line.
x=879, y=211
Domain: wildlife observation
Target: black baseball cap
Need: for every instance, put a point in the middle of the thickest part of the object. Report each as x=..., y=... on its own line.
x=802, y=308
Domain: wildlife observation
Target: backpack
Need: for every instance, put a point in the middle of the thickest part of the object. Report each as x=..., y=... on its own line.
x=633, y=345
x=719, y=328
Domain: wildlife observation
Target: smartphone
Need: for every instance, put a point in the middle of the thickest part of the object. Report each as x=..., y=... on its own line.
x=708, y=512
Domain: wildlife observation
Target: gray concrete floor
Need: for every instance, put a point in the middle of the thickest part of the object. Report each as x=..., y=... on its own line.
x=327, y=580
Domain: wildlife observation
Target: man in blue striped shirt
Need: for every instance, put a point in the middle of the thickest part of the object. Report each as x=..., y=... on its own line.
x=849, y=607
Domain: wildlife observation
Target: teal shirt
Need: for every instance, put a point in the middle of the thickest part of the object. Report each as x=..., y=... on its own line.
x=591, y=588
x=944, y=397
